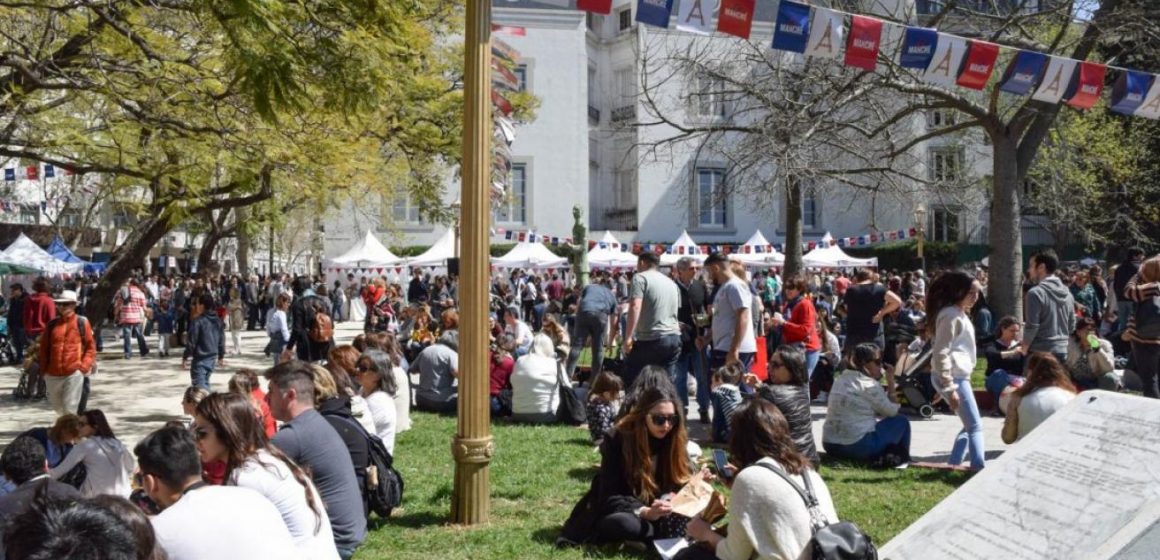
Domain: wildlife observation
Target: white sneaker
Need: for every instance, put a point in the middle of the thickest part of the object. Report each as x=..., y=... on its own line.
x=823, y=396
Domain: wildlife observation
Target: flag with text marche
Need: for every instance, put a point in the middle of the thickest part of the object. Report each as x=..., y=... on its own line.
x=863, y=43
x=596, y=6
x=792, y=27
x=1086, y=85
x=1022, y=74
x=736, y=17
x=696, y=16
x=32, y=172
x=1055, y=80
x=918, y=46
x=827, y=34
x=1129, y=90
x=948, y=57
x=978, y=64
x=654, y=12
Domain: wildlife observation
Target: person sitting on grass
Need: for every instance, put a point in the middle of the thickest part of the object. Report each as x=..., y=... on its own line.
x=1046, y=390
x=788, y=389
x=536, y=383
x=1005, y=359
x=245, y=383
x=107, y=462
x=500, y=367
x=725, y=397
x=768, y=518
x=643, y=465
x=1089, y=358
x=853, y=429
x=603, y=396
x=377, y=383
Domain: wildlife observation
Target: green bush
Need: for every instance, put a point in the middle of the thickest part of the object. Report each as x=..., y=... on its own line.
x=903, y=255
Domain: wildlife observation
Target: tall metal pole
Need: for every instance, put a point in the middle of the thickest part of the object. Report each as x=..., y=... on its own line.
x=473, y=447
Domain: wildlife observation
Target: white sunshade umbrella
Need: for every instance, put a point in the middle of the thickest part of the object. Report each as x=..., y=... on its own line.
x=527, y=254
x=684, y=246
x=759, y=252
x=611, y=255
x=828, y=255
x=366, y=252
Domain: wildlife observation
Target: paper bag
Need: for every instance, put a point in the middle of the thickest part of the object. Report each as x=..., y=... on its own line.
x=693, y=498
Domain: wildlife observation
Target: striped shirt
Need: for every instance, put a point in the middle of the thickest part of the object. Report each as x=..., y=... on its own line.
x=1138, y=292
x=131, y=312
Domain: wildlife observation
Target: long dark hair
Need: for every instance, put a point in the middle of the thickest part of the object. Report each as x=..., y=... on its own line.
x=97, y=421
x=1044, y=370
x=794, y=361
x=237, y=426
x=672, y=468
x=948, y=289
x=759, y=430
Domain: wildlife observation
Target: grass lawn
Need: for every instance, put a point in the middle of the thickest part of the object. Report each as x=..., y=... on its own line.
x=539, y=473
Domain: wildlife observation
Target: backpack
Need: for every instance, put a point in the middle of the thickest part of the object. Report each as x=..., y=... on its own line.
x=831, y=541
x=383, y=488
x=322, y=328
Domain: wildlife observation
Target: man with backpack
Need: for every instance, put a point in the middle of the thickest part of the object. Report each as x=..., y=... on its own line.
x=206, y=341
x=66, y=355
x=311, y=326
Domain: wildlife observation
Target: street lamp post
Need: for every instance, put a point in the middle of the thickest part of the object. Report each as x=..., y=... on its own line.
x=920, y=225
x=473, y=447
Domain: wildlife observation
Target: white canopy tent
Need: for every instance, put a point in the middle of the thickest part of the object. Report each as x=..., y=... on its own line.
x=759, y=252
x=26, y=252
x=367, y=252
x=438, y=254
x=611, y=255
x=828, y=255
x=527, y=254
x=684, y=246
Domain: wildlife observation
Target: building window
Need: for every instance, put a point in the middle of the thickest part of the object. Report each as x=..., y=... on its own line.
x=711, y=208
x=625, y=18
x=946, y=165
x=944, y=225
x=708, y=95
x=941, y=118
x=930, y=7
x=404, y=210
x=811, y=217
x=625, y=186
x=521, y=72
x=513, y=209
x=69, y=218
x=625, y=108
x=592, y=21
x=29, y=214
x=123, y=219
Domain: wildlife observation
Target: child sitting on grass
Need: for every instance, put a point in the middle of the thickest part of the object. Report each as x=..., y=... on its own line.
x=603, y=397
x=726, y=398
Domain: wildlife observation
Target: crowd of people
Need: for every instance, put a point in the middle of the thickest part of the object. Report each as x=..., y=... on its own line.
x=751, y=350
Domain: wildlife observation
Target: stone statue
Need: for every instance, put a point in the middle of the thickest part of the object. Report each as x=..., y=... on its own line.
x=579, y=249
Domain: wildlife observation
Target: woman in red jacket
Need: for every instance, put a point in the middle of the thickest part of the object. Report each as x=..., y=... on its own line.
x=799, y=327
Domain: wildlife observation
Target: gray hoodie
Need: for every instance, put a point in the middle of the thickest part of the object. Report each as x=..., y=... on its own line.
x=1050, y=316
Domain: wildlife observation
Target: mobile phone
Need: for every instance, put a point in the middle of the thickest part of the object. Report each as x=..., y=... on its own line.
x=722, y=461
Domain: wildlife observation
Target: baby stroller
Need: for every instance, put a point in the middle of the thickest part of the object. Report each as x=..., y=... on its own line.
x=31, y=384
x=914, y=392
x=7, y=347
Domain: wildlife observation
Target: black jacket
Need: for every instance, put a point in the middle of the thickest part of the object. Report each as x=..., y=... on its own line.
x=302, y=318
x=694, y=297
x=616, y=494
x=794, y=403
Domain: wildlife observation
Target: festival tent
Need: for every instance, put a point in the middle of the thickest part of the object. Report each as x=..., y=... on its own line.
x=26, y=252
x=60, y=251
x=829, y=255
x=527, y=254
x=367, y=252
x=684, y=246
x=10, y=266
x=610, y=255
x=438, y=254
x=759, y=252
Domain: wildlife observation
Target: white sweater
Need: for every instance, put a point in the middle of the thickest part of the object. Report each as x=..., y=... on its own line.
x=382, y=409
x=768, y=519
x=534, y=385
x=107, y=462
x=274, y=480
x=953, y=352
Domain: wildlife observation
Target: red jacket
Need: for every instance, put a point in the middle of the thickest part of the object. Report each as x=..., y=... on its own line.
x=64, y=349
x=39, y=309
x=802, y=326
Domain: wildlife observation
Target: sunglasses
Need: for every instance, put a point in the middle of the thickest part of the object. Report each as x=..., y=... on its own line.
x=664, y=419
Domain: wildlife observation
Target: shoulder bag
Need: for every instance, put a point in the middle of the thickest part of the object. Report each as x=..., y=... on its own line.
x=831, y=541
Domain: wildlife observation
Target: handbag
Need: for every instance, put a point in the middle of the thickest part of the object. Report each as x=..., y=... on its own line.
x=831, y=541
x=1148, y=318
x=571, y=410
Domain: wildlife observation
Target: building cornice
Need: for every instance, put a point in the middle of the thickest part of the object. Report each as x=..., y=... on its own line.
x=538, y=19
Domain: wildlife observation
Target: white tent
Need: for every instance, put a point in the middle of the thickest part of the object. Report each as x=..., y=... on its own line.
x=684, y=246
x=759, y=252
x=26, y=252
x=828, y=255
x=367, y=252
x=611, y=255
x=438, y=254
x=529, y=255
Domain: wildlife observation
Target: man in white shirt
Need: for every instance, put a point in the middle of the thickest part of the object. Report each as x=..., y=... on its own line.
x=733, y=338
x=202, y=521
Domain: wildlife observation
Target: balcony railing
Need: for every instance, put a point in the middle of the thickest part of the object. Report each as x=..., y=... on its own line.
x=619, y=219
x=623, y=114
x=593, y=115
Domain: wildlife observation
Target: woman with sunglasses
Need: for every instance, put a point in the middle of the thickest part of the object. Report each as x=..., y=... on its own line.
x=226, y=429
x=853, y=429
x=789, y=390
x=108, y=464
x=643, y=465
x=377, y=380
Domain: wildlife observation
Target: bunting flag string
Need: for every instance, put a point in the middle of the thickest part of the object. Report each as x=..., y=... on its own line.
x=704, y=249
x=34, y=173
x=939, y=58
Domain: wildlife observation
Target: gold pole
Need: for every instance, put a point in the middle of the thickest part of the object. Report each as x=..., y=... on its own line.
x=473, y=447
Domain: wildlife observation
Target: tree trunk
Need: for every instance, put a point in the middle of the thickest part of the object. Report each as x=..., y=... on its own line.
x=793, y=228
x=205, y=255
x=1005, y=289
x=244, y=242
x=124, y=259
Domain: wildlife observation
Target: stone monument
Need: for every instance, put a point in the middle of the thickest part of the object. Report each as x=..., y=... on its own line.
x=1084, y=485
x=579, y=249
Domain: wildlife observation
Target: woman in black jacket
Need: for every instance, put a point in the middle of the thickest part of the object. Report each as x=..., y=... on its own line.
x=788, y=389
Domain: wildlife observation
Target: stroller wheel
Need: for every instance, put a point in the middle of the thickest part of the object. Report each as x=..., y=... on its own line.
x=926, y=411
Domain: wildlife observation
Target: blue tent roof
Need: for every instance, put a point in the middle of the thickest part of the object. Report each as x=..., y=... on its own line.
x=61, y=251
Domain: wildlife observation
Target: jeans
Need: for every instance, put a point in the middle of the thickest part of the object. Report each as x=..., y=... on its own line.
x=971, y=436
x=812, y=357
x=200, y=371
x=662, y=352
x=998, y=381
x=1147, y=358
x=129, y=331
x=1124, y=310
x=892, y=431
x=717, y=359
x=692, y=362
x=345, y=553
x=277, y=345
x=590, y=328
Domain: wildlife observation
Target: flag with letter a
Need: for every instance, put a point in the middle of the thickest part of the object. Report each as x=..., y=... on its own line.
x=1055, y=80
x=1150, y=108
x=696, y=16
x=827, y=34
x=948, y=56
